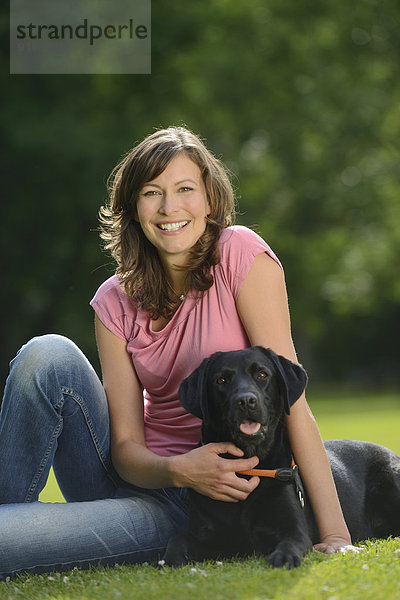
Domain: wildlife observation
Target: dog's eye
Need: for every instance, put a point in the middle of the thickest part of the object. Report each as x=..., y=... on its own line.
x=221, y=380
x=261, y=375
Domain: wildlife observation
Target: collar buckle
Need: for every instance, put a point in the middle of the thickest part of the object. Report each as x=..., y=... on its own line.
x=285, y=474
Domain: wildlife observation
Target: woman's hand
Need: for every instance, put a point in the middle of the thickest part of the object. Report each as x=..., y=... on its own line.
x=209, y=474
x=331, y=544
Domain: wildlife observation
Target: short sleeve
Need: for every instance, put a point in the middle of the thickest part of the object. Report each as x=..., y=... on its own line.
x=114, y=308
x=239, y=247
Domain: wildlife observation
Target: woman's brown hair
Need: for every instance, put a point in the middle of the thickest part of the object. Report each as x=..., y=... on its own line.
x=138, y=264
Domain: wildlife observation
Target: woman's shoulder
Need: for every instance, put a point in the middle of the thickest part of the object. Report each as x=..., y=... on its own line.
x=111, y=294
x=111, y=286
x=114, y=307
x=238, y=248
x=238, y=241
x=239, y=234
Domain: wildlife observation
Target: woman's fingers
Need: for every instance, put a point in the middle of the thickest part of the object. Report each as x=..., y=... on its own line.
x=205, y=471
x=230, y=487
x=239, y=492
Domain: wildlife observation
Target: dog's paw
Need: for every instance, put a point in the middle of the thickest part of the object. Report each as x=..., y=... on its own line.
x=280, y=559
x=174, y=558
x=174, y=562
x=176, y=554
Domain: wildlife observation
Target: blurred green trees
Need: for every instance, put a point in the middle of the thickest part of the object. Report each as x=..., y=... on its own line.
x=300, y=99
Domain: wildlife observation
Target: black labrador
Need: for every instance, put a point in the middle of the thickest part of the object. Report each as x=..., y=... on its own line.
x=242, y=397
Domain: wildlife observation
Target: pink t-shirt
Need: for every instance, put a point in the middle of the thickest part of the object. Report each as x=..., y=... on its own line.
x=203, y=324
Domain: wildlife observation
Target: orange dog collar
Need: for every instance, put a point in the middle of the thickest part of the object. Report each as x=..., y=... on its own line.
x=290, y=475
x=282, y=474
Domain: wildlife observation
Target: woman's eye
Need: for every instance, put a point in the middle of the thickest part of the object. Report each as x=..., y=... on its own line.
x=150, y=193
x=221, y=380
x=261, y=375
x=185, y=188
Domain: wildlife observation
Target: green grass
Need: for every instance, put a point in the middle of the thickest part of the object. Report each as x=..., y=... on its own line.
x=372, y=574
x=358, y=416
x=51, y=493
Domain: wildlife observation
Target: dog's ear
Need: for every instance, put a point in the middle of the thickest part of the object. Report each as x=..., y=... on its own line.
x=193, y=391
x=291, y=376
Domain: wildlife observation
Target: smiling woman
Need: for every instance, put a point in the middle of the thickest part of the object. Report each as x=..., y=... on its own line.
x=180, y=198
x=187, y=284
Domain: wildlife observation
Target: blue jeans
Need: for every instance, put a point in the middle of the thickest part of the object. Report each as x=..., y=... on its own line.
x=54, y=413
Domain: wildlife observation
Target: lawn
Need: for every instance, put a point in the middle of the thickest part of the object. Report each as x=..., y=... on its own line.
x=372, y=574
x=358, y=415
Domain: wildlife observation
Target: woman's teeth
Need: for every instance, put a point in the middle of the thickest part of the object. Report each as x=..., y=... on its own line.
x=172, y=226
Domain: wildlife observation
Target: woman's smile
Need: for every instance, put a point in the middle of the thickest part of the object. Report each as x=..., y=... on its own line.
x=169, y=227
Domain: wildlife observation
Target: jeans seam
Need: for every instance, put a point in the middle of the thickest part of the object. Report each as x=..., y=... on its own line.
x=79, y=400
x=60, y=403
x=42, y=465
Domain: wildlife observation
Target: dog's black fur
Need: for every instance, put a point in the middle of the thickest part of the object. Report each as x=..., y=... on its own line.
x=256, y=385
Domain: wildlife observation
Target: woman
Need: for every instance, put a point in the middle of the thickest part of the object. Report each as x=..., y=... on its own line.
x=187, y=284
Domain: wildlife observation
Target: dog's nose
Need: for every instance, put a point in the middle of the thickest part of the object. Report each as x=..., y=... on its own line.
x=247, y=401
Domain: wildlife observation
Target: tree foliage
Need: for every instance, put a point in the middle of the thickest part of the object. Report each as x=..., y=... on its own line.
x=301, y=101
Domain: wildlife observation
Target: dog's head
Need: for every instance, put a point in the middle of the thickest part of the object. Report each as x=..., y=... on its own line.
x=241, y=396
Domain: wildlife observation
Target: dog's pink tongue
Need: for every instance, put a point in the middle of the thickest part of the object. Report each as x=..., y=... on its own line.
x=249, y=427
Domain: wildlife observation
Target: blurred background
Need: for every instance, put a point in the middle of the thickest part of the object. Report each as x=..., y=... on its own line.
x=301, y=100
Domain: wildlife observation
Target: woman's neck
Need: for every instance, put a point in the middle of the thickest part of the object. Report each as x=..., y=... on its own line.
x=178, y=280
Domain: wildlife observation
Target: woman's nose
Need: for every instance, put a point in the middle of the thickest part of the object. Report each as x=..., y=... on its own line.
x=168, y=204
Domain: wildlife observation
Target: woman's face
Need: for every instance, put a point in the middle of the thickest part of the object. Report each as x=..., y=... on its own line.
x=172, y=210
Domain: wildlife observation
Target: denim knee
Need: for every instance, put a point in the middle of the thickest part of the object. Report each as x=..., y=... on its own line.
x=42, y=356
x=42, y=351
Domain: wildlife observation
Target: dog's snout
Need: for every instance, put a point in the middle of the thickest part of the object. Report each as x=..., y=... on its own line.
x=247, y=401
